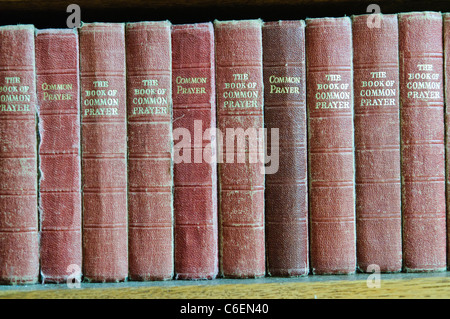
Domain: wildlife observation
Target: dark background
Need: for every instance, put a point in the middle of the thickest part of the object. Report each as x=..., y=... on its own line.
x=52, y=14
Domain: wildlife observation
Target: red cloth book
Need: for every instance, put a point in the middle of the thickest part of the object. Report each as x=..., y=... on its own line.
x=285, y=109
x=330, y=145
x=422, y=141
x=104, y=151
x=195, y=171
x=239, y=88
x=57, y=82
x=150, y=199
x=377, y=143
x=19, y=251
x=446, y=36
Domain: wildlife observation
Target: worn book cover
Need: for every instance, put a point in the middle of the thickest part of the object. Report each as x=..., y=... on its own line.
x=422, y=141
x=19, y=246
x=286, y=190
x=150, y=178
x=104, y=151
x=330, y=145
x=57, y=81
x=240, y=118
x=377, y=143
x=195, y=167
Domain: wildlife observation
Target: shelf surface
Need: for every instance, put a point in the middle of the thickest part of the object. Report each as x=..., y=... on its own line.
x=392, y=286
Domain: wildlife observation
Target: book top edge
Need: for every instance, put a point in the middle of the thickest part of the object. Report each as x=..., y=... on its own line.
x=85, y=25
x=256, y=22
x=56, y=31
x=163, y=23
x=300, y=23
x=328, y=22
x=18, y=27
x=345, y=18
x=420, y=14
x=384, y=15
x=200, y=25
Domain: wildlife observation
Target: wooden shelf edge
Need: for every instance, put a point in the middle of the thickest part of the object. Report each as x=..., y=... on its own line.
x=392, y=286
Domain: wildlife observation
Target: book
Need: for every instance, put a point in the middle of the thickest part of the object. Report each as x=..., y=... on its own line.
x=57, y=83
x=446, y=48
x=286, y=190
x=240, y=119
x=422, y=141
x=330, y=145
x=195, y=168
x=377, y=143
x=104, y=151
x=150, y=166
x=19, y=250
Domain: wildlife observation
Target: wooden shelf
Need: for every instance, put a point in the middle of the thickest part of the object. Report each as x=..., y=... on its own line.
x=393, y=286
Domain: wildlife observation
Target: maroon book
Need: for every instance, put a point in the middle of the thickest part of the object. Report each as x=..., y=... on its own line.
x=377, y=143
x=57, y=85
x=285, y=109
x=195, y=172
x=239, y=86
x=150, y=199
x=104, y=151
x=330, y=145
x=422, y=141
x=446, y=36
x=19, y=251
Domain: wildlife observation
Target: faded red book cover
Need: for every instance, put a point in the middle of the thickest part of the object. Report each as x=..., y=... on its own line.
x=239, y=86
x=19, y=250
x=330, y=145
x=57, y=82
x=104, y=151
x=422, y=141
x=377, y=142
x=195, y=170
x=446, y=36
x=150, y=199
x=286, y=191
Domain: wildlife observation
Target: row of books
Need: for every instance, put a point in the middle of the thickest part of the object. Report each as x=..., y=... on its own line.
x=152, y=151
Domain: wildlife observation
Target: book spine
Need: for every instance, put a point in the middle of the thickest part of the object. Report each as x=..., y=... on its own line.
x=195, y=171
x=104, y=151
x=149, y=93
x=330, y=145
x=286, y=191
x=57, y=82
x=422, y=141
x=377, y=143
x=19, y=251
x=446, y=48
x=241, y=172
